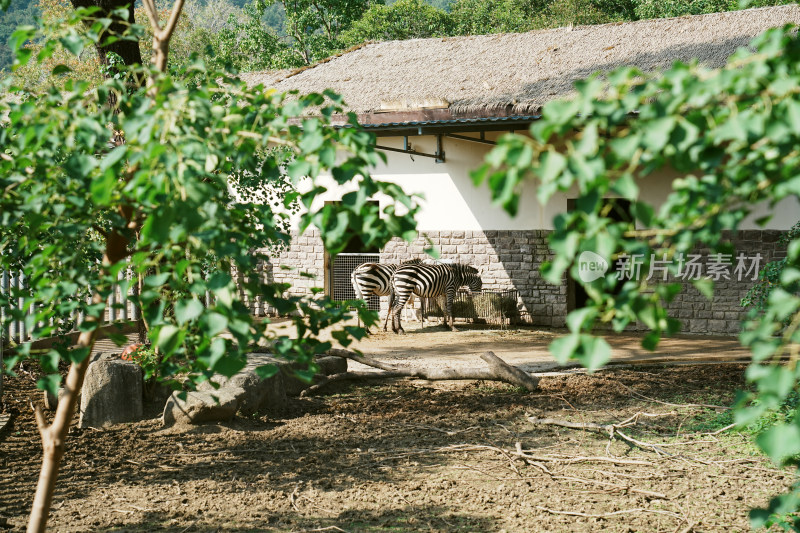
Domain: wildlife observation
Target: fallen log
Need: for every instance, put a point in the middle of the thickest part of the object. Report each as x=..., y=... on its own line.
x=498, y=370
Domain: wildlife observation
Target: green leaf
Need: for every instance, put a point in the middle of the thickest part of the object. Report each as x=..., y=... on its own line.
x=564, y=348
x=651, y=340
x=188, y=310
x=73, y=42
x=579, y=318
x=626, y=187
x=20, y=36
x=50, y=383
x=157, y=280
x=215, y=323
x=61, y=69
x=229, y=365
x=120, y=339
x=80, y=166
x=551, y=165
x=102, y=188
x=266, y=371
x=657, y=133
x=593, y=352
x=705, y=286
x=780, y=442
x=168, y=337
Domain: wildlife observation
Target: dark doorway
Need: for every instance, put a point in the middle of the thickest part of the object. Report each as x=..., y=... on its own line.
x=619, y=211
x=338, y=270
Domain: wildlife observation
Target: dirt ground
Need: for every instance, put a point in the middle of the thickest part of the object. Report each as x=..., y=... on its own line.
x=526, y=347
x=417, y=456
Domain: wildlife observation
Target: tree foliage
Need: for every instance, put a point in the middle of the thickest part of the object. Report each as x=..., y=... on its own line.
x=170, y=205
x=314, y=28
x=35, y=76
x=19, y=13
x=770, y=276
x=166, y=193
x=404, y=19
x=733, y=133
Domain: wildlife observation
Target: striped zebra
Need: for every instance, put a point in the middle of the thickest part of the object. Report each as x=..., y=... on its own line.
x=430, y=281
x=376, y=279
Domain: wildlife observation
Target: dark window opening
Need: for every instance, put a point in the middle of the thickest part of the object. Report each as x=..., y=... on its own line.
x=619, y=210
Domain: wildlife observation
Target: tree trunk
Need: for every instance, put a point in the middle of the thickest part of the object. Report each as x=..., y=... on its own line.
x=128, y=50
x=498, y=370
x=54, y=436
x=116, y=247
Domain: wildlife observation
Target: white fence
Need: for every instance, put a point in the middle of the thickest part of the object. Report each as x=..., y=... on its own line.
x=119, y=308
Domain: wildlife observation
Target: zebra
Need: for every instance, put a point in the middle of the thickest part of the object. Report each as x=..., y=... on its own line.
x=376, y=279
x=430, y=281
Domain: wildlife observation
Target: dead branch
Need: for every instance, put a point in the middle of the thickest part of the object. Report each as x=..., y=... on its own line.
x=612, y=430
x=614, y=486
x=605, y=515
x=320, y=529
x=580, y=459
x=293, y=498
x=324, y=381
x=721, y=430
x=498, y=370
x=510, y=374
x=440, y=430
x=623, y=488
x=649, y=399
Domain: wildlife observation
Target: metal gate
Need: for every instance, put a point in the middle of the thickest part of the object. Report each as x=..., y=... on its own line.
x=341, y=269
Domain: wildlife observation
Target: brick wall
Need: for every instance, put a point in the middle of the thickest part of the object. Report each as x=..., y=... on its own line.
x=510, y=259
x=723, y=314
x=506, y=259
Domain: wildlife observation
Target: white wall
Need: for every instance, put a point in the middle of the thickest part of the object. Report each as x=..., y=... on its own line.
x=452, y=202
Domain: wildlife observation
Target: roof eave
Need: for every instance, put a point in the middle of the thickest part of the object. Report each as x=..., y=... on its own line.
x=440, y=121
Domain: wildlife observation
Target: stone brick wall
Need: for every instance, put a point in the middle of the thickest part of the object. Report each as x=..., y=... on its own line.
x=507, y=260
x=724, y=313
x=511, y=260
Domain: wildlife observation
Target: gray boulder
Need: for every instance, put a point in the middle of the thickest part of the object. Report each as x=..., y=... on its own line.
x=245, y=393
x=259, y=395
x=252, y=393
x=111, y=394
x=329, y=365
x=199, y=407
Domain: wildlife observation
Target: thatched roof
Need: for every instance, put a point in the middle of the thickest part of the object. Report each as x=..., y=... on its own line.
x=515, y=74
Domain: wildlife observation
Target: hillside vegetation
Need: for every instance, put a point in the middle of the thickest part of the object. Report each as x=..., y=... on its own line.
x=250, y=35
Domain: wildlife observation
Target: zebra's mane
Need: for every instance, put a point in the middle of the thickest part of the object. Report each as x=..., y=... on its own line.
x=462, y=268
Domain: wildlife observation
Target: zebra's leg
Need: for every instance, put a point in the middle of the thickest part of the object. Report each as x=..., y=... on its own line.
x=409, y=310
x=450, y=297
x=389, y=310
x=359, y=296
x=399, y=302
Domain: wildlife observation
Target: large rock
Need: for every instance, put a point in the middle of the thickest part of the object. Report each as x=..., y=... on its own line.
x=259, y=395
x=329, y=365
x=199, y=407
x=332, y=364
x=111, y=394
x=245, y=393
